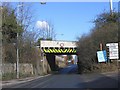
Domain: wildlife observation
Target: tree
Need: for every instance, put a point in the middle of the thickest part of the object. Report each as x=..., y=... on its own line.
x=69, y=57
x=24, y=15
x=45, y=30
x=105, y=31
x=10, y=28
x=27, y=48
x=19, y=22
x=13, y=22
x=105, y=18
x=9, y=24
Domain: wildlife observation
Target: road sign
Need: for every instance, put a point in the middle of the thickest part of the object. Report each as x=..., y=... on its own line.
x=113, y=50
x=102, y=57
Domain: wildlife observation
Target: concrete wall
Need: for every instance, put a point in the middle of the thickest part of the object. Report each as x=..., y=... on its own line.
x=41, y=68
x=45, y=66
x=11, y=68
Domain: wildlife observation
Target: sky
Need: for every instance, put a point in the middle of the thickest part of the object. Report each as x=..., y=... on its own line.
x=72, y=19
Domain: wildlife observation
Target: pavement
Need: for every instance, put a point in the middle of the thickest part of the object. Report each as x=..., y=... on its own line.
x=23, y=80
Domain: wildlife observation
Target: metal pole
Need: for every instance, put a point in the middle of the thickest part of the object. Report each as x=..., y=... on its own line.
x=111, y=7
x=1, y=37
x=17, y=63
x=101, y=47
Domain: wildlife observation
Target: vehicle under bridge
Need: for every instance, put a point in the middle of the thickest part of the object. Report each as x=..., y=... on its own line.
x=52, y=48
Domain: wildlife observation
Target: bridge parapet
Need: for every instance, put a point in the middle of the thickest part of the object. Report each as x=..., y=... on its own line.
x=58, y=44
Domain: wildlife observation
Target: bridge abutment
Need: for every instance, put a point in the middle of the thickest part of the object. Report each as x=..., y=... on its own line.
x=51, y=61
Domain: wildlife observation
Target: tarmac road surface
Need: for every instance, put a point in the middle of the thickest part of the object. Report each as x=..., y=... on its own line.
x=68, y=78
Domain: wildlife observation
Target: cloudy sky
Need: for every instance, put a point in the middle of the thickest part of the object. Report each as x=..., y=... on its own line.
x=42, y=25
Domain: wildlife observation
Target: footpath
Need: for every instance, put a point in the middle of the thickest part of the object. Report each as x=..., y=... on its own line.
x=18, y=81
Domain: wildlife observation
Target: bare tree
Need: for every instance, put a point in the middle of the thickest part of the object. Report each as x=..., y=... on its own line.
x=45, y=30
x=24, y=13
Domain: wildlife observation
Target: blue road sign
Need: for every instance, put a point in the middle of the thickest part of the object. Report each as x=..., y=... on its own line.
x=102, y=56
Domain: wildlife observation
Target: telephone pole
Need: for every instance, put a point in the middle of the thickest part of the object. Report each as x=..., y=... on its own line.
x=19, y=23
x=111, y=7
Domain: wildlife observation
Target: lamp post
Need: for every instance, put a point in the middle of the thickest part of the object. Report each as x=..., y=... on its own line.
x=17, y=61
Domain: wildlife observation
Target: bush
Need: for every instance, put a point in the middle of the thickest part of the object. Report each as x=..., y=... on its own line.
x=105, y=31
x=8, y=76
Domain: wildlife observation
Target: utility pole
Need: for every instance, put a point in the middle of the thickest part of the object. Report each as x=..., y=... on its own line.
x=111, y=7
x=17, y=61
x=1, y=46
x=101, y=46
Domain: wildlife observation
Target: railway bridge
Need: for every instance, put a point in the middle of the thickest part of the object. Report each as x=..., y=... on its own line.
x=52, y=48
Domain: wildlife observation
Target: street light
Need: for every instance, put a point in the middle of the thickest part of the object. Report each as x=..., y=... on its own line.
x=17, y=61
